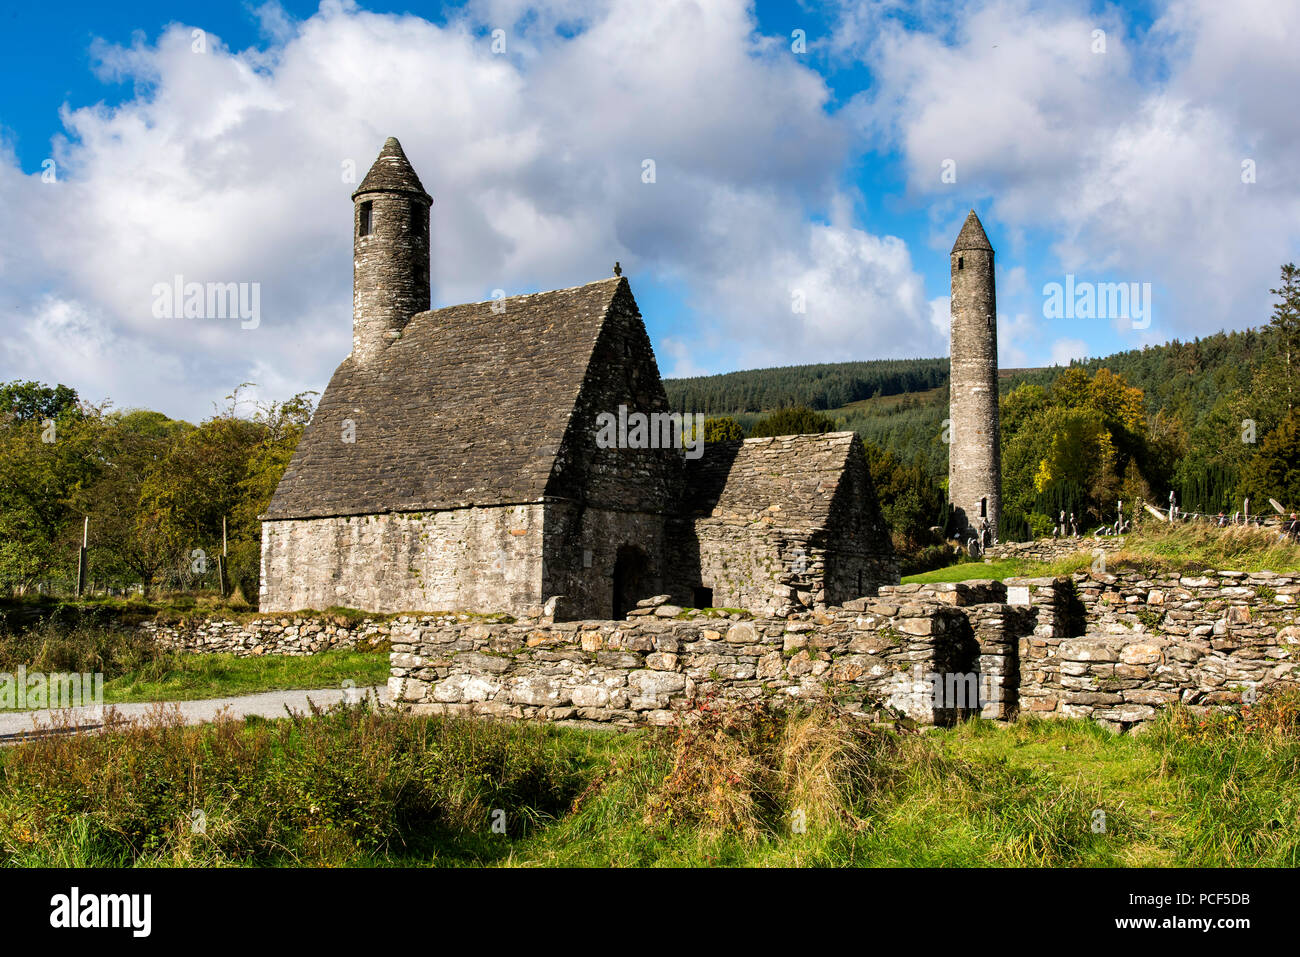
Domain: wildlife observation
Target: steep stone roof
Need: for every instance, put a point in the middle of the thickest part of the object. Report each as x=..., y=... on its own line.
x=788, y=481
x=391, y=172
x=972, y=235
x=468, y=407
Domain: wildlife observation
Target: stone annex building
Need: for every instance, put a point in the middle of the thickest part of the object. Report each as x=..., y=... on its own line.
x=453, y=462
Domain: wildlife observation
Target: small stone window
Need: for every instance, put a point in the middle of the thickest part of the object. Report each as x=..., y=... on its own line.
x=702, y=597
x=960, y=262
x=984, y=508
x=415, y=220
x=364, y=228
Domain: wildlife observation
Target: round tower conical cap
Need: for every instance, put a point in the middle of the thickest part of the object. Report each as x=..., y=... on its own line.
x=392, y=172
x=972, y=235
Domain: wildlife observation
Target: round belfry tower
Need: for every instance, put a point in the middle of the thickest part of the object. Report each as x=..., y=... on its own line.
x=974, y=459
x=390, y=263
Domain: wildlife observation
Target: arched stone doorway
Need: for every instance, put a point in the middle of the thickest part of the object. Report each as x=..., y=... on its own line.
x=631, y=579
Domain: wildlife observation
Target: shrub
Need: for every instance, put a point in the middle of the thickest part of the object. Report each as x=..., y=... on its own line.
x=752, y=770
x=52, y=645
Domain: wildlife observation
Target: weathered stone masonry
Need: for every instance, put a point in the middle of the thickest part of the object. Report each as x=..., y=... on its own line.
x=1218, y=638
x=647, y=670
x=974, y=457
x=1111, y=648
x=454, y=461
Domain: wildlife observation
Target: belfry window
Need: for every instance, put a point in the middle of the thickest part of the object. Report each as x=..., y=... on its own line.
x=364, y=227
x=960, y=261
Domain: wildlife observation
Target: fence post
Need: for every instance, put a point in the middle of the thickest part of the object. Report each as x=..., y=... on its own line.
x=82, y=558
x=221, y=561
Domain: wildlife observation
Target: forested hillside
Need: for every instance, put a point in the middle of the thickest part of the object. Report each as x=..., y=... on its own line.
x=819, y=387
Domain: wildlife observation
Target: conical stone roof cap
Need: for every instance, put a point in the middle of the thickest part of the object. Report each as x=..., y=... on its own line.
x=392, y=172
x=972, y=235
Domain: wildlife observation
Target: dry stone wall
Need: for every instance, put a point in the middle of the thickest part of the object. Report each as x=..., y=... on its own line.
x=289, y=635
x=1053, y=549
x=1113, y=648
x=1221, y=638
x=649, y=668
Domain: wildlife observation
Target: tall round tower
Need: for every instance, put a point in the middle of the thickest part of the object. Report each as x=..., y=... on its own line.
x=974, y=459
x=390, y=262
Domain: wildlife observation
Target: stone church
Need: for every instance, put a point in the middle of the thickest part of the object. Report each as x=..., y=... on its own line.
x=453, y=462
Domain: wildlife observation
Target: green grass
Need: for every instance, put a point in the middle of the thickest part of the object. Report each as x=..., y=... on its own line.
x=1193, y=548
x=884, y=404
x=1001, y=569
x=351, y=787
x=184, y=677
x=137, y=667
x=1153, y=549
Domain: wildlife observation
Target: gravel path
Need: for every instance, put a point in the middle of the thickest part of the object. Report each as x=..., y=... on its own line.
x=267, y=704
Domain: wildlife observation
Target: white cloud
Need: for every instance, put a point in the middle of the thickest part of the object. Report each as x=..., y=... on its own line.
x=1065, y=350
x=1019, y=340
x=61, y=340
x=228, y=166
x=1130, y=160
x=677, y=359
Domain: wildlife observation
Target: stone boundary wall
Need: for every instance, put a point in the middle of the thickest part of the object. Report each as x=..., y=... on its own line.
x=1114, y=648
x=1053, y=549
x=648, y=669
x=1213, y=639
x=287, y=635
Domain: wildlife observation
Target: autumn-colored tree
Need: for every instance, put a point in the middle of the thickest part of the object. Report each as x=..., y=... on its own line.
x=1075, y=446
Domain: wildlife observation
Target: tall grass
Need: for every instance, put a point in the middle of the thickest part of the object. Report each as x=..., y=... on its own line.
x=1197, y=546
x=332, y=787
x=53, y=645
x=736, y=786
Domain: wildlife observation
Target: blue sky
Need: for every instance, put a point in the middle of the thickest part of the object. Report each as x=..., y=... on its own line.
x=1102, y=141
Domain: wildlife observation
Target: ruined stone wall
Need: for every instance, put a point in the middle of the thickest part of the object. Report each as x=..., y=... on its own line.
x=1218, y=638
x=1113, y=648
x=1053, y=549
x=479, y=558
x=293, y=635
x=649, y=669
